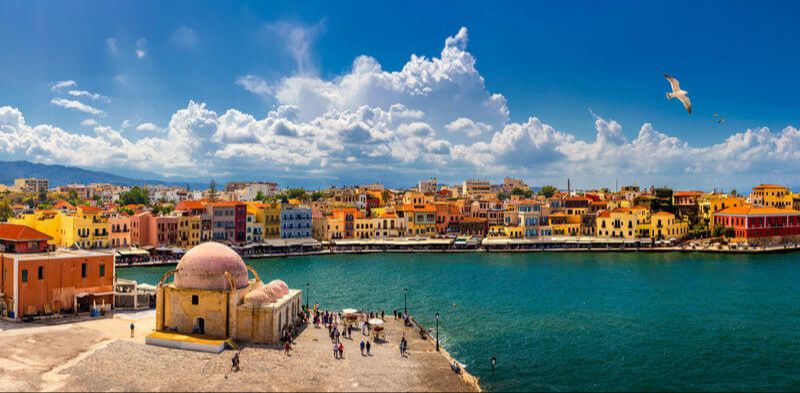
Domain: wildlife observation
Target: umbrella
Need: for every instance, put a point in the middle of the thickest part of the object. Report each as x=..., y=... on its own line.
x=375, y=322
x=349, y=311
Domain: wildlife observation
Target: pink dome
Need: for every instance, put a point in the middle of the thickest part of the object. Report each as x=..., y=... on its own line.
x=256, y=298
x=204, y=267
x=280, y=286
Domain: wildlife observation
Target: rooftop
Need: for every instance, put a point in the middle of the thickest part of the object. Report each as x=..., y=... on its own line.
x=757, y=210
x=17, y=233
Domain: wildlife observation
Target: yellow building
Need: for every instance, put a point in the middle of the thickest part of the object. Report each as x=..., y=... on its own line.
x=511, y=232
x=189, y=231
x=88, y=228
x=771, y=195
x=267, y=218
x=712, y=203
x=420, y=220
x=620, y=223
x=664, y=225
x=563, y=224
x=212, y=296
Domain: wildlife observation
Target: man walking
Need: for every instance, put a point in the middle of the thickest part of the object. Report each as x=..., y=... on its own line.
x=362, y=347
x=132, y=327
x=368, y=347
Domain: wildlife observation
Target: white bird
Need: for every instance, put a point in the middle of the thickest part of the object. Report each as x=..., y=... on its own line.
x=682, y=95
x=719, y=118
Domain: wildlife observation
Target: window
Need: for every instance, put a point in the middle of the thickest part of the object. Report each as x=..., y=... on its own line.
x=83, y=270
x=24, y=275
x=41, y=272
x=195, y=299
x=102, y=270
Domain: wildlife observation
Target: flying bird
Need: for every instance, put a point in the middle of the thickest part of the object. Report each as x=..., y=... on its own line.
x=719, y=118
x=682, y=95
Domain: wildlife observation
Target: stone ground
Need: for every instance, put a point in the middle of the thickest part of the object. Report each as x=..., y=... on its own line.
x=99, y=355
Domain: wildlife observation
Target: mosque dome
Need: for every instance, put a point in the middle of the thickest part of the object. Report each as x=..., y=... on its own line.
x=204, y=267
x=269, y=293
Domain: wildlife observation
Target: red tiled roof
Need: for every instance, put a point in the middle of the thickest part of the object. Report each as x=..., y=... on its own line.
x=62, y=204
x=16, y=232
x=189, y=205
x=755, y=211
x=90, y=209
x=687, y=193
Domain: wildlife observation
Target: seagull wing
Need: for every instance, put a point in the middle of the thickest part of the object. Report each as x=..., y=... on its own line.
x=686, y=103
x=673, y=82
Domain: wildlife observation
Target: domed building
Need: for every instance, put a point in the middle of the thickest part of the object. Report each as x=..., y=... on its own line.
x=212, y=295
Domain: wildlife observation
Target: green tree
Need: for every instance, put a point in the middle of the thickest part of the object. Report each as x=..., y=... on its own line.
x=72, y=198
x=212, y=191
x=521, y=192
x=547, y=191
x=502, y=196
x=296, y=193
x=6, y=211
x=317, y=195
x=135, y=196
x=260, y=196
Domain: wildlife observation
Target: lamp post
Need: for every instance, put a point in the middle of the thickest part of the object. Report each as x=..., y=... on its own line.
x=437, y=332
x=494, y=361
x=405, y=301
x=308, y=290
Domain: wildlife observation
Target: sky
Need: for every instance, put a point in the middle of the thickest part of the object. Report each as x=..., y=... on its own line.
x=317, y=93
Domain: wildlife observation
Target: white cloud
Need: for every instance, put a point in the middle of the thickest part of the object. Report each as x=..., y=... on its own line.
x=148, y=127
x=141, y=48
x=185, y=37
x=433, y=116
x=254, y=84
x=76, y=105
x=60, y=85
x=298, y=39
x=468, y=127
x=93, y=96
x=111, y=44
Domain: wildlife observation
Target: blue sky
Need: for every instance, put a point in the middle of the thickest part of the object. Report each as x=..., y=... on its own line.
x=140, y=65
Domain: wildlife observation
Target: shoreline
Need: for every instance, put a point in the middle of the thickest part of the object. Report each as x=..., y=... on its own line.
x=756, y=251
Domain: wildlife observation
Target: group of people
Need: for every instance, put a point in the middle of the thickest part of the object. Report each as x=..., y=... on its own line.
x=366, y=346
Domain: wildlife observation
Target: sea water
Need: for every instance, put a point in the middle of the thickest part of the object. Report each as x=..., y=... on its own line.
x=579, y=321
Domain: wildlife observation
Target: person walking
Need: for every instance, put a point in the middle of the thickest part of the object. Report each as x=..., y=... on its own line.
x=132, y=328
x=287, y=347
x=362, y=347
x=368, y=348
x=235, y=362
x=335, y=351
x=341, y=351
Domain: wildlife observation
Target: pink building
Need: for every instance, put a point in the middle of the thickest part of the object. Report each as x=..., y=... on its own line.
x=120, y=233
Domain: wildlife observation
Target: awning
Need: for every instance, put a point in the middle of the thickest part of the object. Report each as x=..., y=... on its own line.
x=131, y=251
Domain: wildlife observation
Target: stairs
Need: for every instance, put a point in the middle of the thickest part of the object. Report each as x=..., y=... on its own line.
x=231, y=344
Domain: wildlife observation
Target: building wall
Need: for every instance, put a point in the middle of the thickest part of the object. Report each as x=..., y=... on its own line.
x=61, y=280
x=295, y=222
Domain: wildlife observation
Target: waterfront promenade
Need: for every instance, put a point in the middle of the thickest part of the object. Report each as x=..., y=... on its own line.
x=99, y=355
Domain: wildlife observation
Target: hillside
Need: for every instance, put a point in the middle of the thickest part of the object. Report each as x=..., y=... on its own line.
x=60, y=175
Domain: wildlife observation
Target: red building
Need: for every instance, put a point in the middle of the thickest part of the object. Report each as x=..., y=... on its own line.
x=38, y=282
x=752, y=222
x=22, y=239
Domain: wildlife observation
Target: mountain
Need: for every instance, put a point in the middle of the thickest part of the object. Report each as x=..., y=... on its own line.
x=60, y=175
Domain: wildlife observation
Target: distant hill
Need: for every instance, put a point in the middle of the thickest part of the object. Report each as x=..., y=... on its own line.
x=60, y=175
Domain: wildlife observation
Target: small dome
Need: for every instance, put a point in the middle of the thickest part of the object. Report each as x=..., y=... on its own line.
x=204, y=267
x=281, y=288
x=256, y=298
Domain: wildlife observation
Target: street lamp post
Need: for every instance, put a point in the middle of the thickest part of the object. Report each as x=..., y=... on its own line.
x=405, y=301
x=308, y=290
x=437, y=332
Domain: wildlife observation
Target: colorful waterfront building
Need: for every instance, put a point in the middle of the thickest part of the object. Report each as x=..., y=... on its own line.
x=563, y=224
x=711, y=203
x=664, y=225
x=229, y=221
x=37, y=282
x=759, y=223
x=771, y=195
x=119, y=230
x=420, y=220
x=189, y=230
x=295, y=222
x=511, y=232
x=619, y=223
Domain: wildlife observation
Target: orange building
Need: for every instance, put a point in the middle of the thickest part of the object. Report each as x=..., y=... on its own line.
x=63, y=281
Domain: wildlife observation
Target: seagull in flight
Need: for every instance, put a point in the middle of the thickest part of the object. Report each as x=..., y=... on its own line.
x=719, y=119
x=681, y=95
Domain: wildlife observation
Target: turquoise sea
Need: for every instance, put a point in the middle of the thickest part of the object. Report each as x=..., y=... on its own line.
x=568, y=321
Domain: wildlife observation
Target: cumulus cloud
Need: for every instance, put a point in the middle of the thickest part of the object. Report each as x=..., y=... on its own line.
x=141, y=48
x=468, y=127
x=148, y=127
x=184, y=37
x=433, y=116
x=76, y=105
